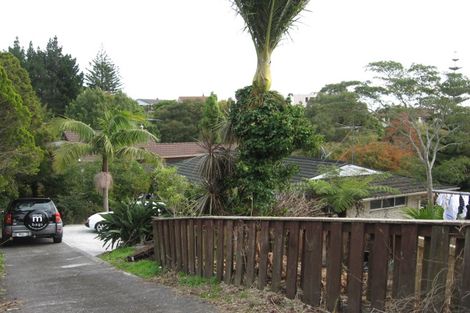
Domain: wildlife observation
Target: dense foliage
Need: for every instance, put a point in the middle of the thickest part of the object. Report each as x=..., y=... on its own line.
x=91, y=103
x=267, y=134
x=55, y=76
x=178, y=121
x=19, y=154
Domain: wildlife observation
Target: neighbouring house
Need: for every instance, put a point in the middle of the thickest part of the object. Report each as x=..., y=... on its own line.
x=410, y=192
x=302, y=98
x=170, y=152
x=147, y=104
x=192, y=99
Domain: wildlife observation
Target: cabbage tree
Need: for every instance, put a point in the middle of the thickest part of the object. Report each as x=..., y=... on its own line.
x=267, y=21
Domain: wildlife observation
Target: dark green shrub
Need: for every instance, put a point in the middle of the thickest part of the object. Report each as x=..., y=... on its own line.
x=129, y=224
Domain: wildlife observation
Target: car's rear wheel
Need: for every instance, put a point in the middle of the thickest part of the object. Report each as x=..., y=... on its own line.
x=99, y=227
x=57, y=239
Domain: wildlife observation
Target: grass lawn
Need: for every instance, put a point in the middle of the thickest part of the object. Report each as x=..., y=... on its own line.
x=143, y=268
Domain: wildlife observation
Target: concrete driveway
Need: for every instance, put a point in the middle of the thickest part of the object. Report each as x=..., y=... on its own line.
x=83, y=238
x=59, y=278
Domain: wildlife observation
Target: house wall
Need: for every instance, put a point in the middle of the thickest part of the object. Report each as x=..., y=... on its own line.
x=395, y=212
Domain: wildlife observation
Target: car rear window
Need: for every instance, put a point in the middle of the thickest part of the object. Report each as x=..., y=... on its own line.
x=33, y=205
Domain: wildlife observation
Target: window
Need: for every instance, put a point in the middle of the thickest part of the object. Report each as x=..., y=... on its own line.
x=387, y=203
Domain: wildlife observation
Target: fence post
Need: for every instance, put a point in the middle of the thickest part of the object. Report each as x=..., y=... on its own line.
x=156, y=242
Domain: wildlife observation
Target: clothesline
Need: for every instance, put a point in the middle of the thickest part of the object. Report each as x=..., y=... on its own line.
x=462, y=193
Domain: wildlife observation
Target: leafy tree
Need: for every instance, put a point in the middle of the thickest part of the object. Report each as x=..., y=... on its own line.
x=337, y=112
x=116, y=137
x=178, y=121
x=174, y=190
x=19, y=154
x=55, y=77
x=380, y=155
x=22, y=84
x=90, y=105
x=426, y=102
x=454, y=171
x=267, y=22
x=103, y=74
x=212, y=118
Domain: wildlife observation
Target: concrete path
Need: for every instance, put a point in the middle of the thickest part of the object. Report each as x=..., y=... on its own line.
x=84, y=239
x=56, y=278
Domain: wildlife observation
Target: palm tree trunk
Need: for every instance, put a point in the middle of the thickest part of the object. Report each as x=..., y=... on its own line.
x=105, y=169
x=262, y=79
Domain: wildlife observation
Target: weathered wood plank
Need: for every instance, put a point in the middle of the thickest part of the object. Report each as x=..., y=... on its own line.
x=199, y=244
x=278, y=255
x=292, y=259
x=457, y=274
x=220, y=250
x=166, y=235
x=312, y=263
x=263, y=254
x=251, y=254
x=156, y=242
x=239, y=266
x=379, y=266
x=407, y=265
x=465, y=287
x=228, y=252
x=184, y=246
x=396, y=265
x=209, y=248
x=356, y=264
x=191, y=248
x=179, y=259
x=425, y=265
x=334, y=268
x=438, y=265
x=171, y=227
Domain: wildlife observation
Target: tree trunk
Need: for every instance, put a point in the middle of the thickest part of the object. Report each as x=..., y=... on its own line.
x=429, y=185
x=262, y=79
x=105, y=169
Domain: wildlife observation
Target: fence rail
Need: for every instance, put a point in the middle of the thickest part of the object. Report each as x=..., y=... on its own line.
x=349, y=265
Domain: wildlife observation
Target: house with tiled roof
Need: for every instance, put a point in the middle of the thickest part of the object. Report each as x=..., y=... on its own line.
x=410, y=192
x=170, y=152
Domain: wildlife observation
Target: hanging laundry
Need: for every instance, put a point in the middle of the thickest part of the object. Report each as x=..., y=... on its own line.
x=467, y=216
x=461, y=215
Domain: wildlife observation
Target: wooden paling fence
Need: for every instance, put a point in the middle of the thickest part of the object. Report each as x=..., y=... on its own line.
x=349, y=265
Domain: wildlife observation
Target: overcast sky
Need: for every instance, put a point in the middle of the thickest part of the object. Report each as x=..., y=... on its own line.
x=166, y=49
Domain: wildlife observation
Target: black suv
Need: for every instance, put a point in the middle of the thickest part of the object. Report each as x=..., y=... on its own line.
x=32, y=217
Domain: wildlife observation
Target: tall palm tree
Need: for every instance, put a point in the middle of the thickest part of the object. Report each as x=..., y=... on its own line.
x=116, y=138
x=267, y=21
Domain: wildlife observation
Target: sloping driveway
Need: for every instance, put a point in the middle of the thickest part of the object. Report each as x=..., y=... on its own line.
x=46, y=277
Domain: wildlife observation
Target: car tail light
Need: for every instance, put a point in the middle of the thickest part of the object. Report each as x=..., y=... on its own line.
x=57, y=217
x=8, y=219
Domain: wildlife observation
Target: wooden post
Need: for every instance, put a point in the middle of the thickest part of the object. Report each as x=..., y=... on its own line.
x=312, y=263
x=356, y=260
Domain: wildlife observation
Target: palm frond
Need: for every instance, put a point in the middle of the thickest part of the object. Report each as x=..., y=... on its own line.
x=69, y=153
x=136, y=153
x=103, y=145
x=84, y=131
x=268, y=20
x=128, y=137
